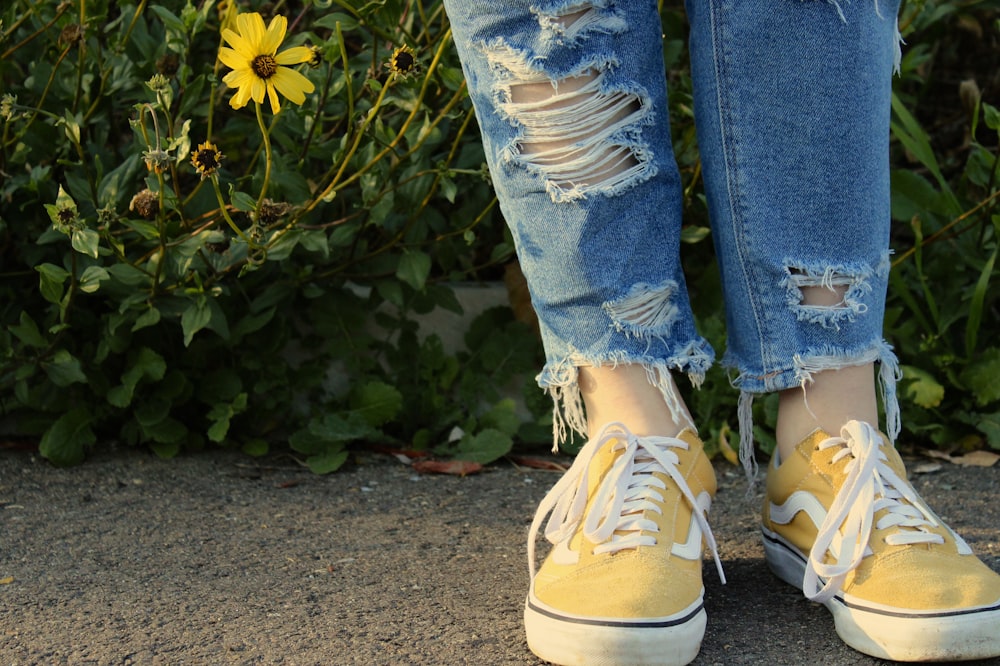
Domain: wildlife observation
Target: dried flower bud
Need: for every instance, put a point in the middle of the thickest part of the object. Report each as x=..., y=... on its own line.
x=272, y=211
x=70, y=35
x=146, y=203
x=157, y=160
x=167, y=64
x=7, y=103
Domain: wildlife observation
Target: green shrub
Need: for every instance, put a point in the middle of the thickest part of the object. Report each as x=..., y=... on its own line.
x=154, y=301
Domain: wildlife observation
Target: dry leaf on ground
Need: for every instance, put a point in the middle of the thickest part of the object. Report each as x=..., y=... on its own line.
x=538, y=463
x=971, y=459
x=455, y=467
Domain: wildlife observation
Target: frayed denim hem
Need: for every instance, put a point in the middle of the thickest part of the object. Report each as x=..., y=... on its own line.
x=560, y=379
x=804, y=366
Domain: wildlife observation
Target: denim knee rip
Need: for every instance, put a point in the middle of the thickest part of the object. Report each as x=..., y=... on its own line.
x=575, y=131
x=854, y=281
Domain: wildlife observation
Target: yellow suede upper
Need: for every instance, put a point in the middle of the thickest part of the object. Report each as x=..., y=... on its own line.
x=617, y=585
x=917, y=577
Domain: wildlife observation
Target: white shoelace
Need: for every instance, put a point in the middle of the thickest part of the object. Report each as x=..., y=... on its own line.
x=871, y=486
x=615, y=520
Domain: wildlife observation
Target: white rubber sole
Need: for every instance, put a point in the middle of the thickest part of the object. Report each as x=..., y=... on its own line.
x=587, y=641
x=895, y=633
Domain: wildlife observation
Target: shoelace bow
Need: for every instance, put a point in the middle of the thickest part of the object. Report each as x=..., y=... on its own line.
x=871, y=486
x=615, y=521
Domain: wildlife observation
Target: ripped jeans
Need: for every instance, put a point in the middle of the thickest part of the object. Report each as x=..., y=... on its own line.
x=792, y=101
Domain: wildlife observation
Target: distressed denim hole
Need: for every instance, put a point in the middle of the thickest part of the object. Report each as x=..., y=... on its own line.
x=646, y=310
x=569, y=127
x=827, y=296
x=569, y=25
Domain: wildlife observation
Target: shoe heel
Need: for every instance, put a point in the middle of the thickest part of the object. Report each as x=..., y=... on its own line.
x=783, y=561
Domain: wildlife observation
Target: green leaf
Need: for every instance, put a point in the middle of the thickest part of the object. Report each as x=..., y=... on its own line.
x=221, y=414
x=146, y=364
x=377, y=402
x=64, y=369
x=989, y=425
x=242, y=201
x=129, y=276
x=255, y=447
x=503, y=417
x=151, y=317
x=167, y=431
x=315, y=241
x=414, y=269
x=66, y=441
x=991, y=116
x=448, y=188
x=484, y=447
x=694, y=234
x=982, y=376
x=328, y=461
x=391, y=291
x=909, y=132
x=976, y=305
x=195, y=318
x=330, y=21
x=86, y=241
x=50, y=281
x=151, y=412
x=329, y=430
x=252, y=323
x=91, y=279
x=166, y=450
x=27, y=331
x=921, y=387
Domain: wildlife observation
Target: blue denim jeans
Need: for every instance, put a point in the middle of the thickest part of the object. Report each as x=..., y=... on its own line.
x=792, y=102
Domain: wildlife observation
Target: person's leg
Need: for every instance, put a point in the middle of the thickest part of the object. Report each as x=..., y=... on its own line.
x=571, y=102
x=792, y=102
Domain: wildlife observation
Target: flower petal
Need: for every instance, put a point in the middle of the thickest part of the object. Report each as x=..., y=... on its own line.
x=240, y=97
x=291, y=84
x=233, y=59
x=240, y=45
x=273, y=95
x=294, y=55
x=252, y=29
x=257, y=89
x=275, y=34
x=239, y=78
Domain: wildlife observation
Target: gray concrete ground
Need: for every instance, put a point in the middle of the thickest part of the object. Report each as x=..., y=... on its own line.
x=219, y=559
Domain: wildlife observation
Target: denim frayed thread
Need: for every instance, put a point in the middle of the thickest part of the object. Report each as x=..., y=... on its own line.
x=855, y=277
x=560, y=379
x=899, y=41
x=819, y=360
x=569, y=22
x=645, y=311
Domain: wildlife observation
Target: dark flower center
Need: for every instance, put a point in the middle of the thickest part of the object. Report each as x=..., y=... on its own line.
x=264, y=66
x=403, y=62
x=207, y=160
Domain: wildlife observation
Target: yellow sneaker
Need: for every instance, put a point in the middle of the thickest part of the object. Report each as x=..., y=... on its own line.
x=622, y=583
x=842, y=522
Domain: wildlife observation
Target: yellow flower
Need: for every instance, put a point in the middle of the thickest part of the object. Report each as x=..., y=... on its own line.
x=403, y=62
x=258, y=67
x=207, y=159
